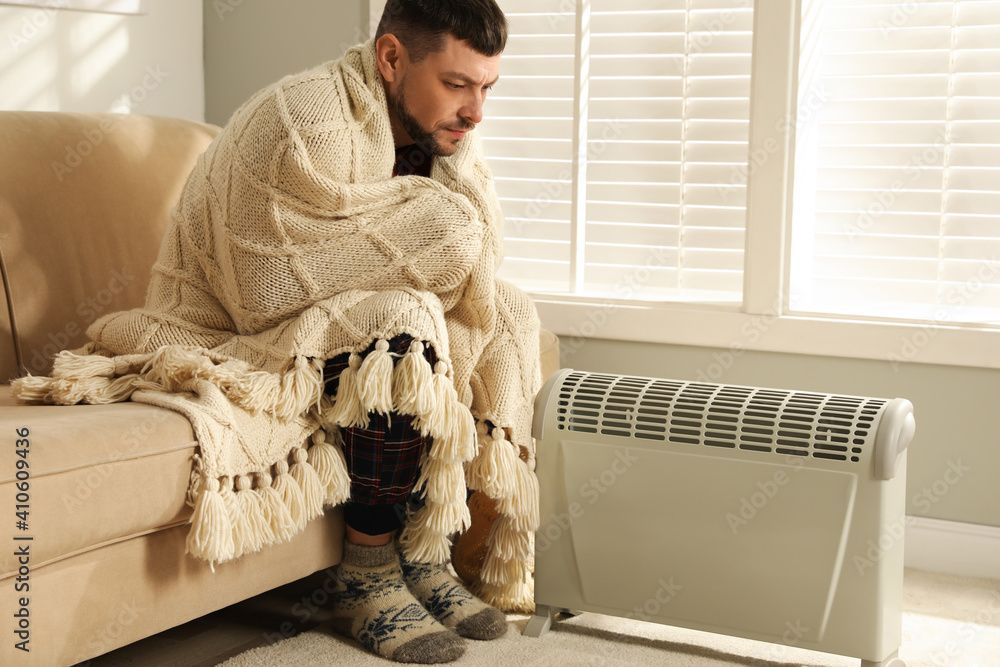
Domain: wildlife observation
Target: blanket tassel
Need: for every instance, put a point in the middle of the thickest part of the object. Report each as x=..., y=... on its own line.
x=347, y=410
x=211, y=534
x=274, y=509
x=255, y=532
x=313, y=490
x=375, y=379
x=412, y=383
x=328, y=461
x=493, y=470
x=291, y=495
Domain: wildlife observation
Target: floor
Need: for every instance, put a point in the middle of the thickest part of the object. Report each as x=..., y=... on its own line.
x=953, y=612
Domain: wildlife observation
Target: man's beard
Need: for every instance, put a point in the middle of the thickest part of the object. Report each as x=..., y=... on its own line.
x=426, y=140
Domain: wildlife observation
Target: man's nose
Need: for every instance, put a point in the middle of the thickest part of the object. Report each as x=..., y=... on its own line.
x=473, y=109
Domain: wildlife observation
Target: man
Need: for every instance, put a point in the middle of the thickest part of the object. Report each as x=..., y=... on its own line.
x=329, y=276
x=438, y=62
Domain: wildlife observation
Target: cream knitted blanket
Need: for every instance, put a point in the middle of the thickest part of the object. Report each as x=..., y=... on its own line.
x=293, y=243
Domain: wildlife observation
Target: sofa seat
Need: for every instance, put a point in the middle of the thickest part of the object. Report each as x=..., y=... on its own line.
x=107, y=563
x=90, y=463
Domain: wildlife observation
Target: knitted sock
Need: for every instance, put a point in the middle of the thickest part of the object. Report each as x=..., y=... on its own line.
x=450, y=602
x=374, y=606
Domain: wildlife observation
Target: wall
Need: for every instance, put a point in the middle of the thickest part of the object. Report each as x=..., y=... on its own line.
x=61, y=60
x=251, y=43
x=958, y=421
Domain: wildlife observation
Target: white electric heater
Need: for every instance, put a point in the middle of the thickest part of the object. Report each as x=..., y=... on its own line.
x=759, y=513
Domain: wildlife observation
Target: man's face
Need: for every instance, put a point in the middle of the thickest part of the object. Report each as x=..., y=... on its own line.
x=436, y=101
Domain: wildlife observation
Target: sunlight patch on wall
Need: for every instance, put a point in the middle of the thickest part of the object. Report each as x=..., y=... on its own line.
x=109, y=6
x=99, y=43
x=26, y=75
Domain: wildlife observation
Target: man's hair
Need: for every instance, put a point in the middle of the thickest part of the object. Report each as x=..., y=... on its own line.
x=422, y=24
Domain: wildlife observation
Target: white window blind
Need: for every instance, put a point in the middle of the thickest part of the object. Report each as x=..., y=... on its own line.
x=897, y=192
x=653, y=99
x=528, y=141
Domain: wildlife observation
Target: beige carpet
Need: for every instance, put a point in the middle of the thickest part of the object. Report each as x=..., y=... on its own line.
x=947, y=621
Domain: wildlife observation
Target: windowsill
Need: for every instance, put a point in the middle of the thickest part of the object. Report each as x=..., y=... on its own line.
x=895, y=343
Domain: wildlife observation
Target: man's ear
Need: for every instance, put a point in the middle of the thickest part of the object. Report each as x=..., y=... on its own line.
x=391, y=56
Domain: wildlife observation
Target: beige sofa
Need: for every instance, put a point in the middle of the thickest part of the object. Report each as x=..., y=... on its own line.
x=84, y=200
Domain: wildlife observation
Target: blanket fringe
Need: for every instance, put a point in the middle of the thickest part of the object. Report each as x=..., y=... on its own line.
x=232, y=517
x=516, y=598
x=507, y=541
x=522, y=504
x=426, y=535
x=412, y=387
x=441, y=480
x=228, y=524
x=97, y=379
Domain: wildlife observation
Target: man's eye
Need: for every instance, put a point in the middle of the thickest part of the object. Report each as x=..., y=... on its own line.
x=455, y=86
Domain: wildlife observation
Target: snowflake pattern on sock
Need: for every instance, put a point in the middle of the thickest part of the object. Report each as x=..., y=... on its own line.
x=445, y=599
x=385, y=625
x=356, y=590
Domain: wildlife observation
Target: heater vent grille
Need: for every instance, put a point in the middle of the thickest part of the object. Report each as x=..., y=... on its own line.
x=789, y=423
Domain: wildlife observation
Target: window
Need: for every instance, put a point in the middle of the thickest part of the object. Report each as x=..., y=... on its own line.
x=618, y=138
x=898, y=209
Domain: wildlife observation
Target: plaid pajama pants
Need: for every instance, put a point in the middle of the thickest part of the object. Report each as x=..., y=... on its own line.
x=383, y=460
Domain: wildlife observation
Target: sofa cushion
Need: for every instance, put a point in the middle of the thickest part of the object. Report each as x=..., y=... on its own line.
x=97, y=473
x=84, y=202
